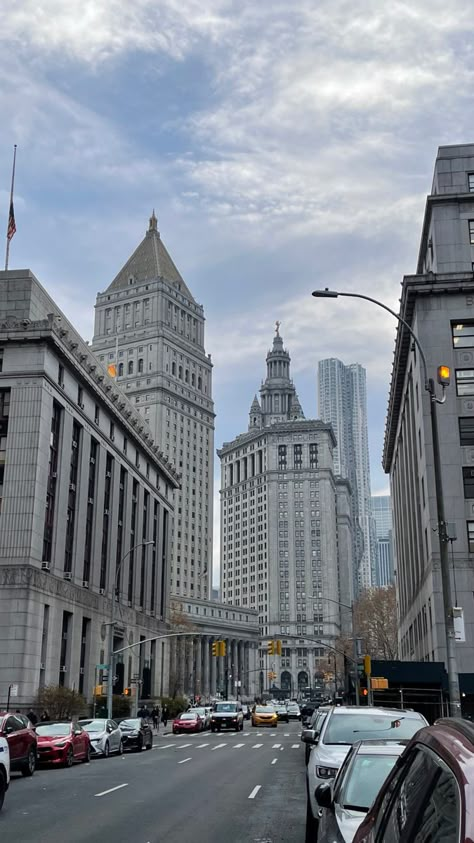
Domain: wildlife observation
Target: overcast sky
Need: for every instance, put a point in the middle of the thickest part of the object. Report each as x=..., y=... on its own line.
x=284, y=145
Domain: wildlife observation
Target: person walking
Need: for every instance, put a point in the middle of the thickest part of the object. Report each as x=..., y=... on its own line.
x=164, y=715
x=156, y=718
x=45, y=716
x=32, y=717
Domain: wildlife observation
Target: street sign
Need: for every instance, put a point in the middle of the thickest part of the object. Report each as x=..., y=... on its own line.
x=13, y=690
x=101, y=667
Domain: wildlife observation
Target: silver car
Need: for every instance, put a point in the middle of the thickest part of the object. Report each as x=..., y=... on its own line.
x=204, y=713
x=343, y=726
x=105, y=736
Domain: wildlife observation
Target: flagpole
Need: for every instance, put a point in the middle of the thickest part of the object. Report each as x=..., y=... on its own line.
x=7, y=252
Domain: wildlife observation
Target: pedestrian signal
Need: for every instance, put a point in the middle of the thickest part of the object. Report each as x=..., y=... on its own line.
x=127, y=692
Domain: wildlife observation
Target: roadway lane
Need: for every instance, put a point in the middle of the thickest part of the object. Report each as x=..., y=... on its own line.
x=228, y=787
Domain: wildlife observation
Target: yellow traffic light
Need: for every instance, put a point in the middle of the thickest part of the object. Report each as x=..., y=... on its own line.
x=367, y=665
x=444, y=374
x=222, y=648
x=271, y=648
x=215, y=648
x=278, y=648
x=127, y=692
x=98, y=691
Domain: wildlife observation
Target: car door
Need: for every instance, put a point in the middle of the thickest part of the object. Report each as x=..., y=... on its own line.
x=79, y=739
x=12, y=730
x=407, y=798
x=115, y=736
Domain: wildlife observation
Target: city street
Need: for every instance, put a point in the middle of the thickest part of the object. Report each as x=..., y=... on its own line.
x=232, y=787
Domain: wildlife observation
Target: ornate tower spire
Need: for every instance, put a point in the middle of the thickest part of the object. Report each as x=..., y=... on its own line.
x=153, y=222
x=255, y=415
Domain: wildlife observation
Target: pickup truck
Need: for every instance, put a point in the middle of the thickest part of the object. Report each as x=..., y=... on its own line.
x=227, y=715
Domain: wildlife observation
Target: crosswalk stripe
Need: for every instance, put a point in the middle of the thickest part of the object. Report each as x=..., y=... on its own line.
x=201, y=745
x=183, y=746
x=219, y=745
x=286, y=735
x=276, y=746
x=165, y=746
x=295, y=745
x=238, y=745
x=257, y=745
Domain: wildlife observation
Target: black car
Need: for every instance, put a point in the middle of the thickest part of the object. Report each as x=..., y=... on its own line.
x=282, y=712
x=136, y=733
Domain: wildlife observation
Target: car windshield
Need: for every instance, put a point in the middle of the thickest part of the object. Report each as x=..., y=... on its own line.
x=293, y=706
x=264, y=709
x=50, y=730
x=365, y=778
x=200, y=711
x=131, y=724
x=94, y=726
x=188, y=715
x=347, y=728
x=225, y=707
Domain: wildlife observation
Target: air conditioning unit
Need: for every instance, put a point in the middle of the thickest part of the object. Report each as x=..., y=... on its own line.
x=45, y=566
x=43, y=666
x=81, y=671
x=72, y=487
x=74, y=443
x=106, y=511
x=67, y=575
x=63, y=669
x=92, y=460
x=54, y=474
x=101, y=590
x=85, y=583
x=108, y=474
x=130, y=603
x=90, y=500
x=119, y=523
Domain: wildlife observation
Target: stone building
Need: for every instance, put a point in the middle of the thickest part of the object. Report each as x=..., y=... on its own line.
x=286, y=529
x=81, y=485
x=151, y=329
x=438, y=303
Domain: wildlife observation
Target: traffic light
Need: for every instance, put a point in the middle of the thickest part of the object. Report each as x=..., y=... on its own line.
x=127, y=692
x=215, y=648
x=444, y=374
x=271, y=648
x=222, y=648
x=367, y=665
x=278, y=648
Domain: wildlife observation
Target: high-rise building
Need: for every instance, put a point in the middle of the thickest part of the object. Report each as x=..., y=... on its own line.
x=286, y=536
x=438, y=304
x=150, y=328
x=382, y=512
x=342, y=402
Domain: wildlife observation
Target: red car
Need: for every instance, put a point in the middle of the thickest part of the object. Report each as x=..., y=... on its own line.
x=189, y=721
x=429, y=795
x=62, y=743
x=21, y=737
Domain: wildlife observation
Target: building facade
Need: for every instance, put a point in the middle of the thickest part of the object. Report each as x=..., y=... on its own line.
x=150, y=328
x=342, y=402
x=438, y=303
x=286, y=529
x=382, y=512
x=86, y=505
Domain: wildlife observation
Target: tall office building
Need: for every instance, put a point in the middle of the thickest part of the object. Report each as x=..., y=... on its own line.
x=438, y=304
x=286, y=535
x=149, y=326
x=382, y=512
x=342, y=402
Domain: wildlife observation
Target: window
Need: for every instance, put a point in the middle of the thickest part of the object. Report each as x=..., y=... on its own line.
x=470, y=182
x=466, y=430
x=313, y=455
x=465, y=381
x=471, y=231
x=298, y=456
x=61, y=375
x=468, y=482
x=463, y=334
x=120, y=370
x=130, y=367
x=439, y=820
x=470, y=536
x=282, y=456
x=140, y=365
x=96, y=414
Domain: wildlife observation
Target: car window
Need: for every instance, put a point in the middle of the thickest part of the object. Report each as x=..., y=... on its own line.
x=364, y=780
x=406, y=798
x=12, y=724
x=347, y=728
x=225, y=707
x=113, y=724
x=439, y=822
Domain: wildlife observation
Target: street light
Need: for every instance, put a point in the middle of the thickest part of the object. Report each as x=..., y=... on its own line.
x=429, y=385
x=354, y=643
x=110, y=682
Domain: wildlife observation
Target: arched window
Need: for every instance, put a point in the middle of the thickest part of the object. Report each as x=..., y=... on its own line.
x=199, y=382
x=186, y=376
x=140, y=364
x=130, y=367
x=120, y=370
x=173, y=368
x=193, y=379
x=180, y=372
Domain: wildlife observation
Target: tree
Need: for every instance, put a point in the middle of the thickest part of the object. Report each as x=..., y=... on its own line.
x=375, y=621
x=60, y=702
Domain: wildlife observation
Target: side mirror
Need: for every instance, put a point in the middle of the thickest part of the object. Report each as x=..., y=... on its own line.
x=309, y=736
x=323, y=795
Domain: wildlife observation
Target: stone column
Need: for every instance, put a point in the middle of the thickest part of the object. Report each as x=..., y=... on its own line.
x=181, y=665
x=198, y=683
x=220, y=673
x=234, y=668
x=206, y=674
x=213, y=671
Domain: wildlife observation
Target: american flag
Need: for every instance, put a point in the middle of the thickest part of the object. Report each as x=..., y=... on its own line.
x=11, y=222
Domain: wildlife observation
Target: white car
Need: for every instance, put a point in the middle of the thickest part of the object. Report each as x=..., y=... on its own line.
x=204, y=712
x=105, y=736
x=4, y=769
x=293, y=710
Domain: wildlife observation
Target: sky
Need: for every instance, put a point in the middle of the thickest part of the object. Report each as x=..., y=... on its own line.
x=284, y=146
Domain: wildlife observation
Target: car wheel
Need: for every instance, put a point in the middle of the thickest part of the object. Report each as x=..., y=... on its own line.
x=106, y=749
x=120, y=749
x=311, y=833
x=30, y=764
x=3, y=789
x=69, y=759
x=87, y=756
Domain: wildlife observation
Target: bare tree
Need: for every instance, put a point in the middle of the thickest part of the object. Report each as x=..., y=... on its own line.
x=375, y=621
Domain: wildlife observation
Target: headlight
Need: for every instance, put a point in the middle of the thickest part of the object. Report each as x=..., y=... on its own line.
x=60, y=745
x=326, y=772
x=133, y=734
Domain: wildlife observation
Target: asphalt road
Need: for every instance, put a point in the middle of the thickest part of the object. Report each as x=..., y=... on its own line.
x=212, y=788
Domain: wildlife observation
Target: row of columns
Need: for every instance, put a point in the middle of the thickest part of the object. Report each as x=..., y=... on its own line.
x=196, y=672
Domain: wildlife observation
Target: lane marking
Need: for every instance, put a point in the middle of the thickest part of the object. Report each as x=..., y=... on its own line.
x=184, y=760
x=202, y=745
x=183, y=746
x=218, y=746
x=166, y=746
x=255, y=791
x=295, y=745
x=276, y=746
x=257, y=745
x=274, y=760
x=238, y=745
x=111, y=790
x=286, y=735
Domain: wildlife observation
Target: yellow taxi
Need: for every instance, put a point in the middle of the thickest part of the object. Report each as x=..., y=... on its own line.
x=264, y=715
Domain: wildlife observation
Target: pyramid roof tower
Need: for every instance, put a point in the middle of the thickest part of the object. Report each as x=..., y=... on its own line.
x=149, y=262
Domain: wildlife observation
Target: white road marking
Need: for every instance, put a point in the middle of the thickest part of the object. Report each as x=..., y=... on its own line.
x=286, y=735
x=218, y=746
x=184, y=760
x=276, y=746
x=183, y=746
x=274, y=760
x=238, y=745
x=165, y=746
x=257, y=745
x=201, y=745
x=111, y=790
x=255, y=791
x=295, y=746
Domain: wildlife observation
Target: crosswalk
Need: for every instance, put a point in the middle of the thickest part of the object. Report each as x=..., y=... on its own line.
x=218, y=746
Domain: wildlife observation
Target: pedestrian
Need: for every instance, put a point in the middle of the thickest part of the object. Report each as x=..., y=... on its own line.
x=156, y=718
x=45, y=716
x=146, y=713
x=164, y=715
x=32, y=717
x=141, y=712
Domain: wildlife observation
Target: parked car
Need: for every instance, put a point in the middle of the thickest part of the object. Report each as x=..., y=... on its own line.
x=345, y=802
x=429, y=795
x=204, y=714
x=136, y=733
x=282, y=712
x=188, y=721
x=105, y=736
x=294, y=712
x=307, y=710
x=227, y=715
x=4, y=770
x=316, y=724
x=342, y=727
x=62, y=743
x=22, y=742
x=264, y=715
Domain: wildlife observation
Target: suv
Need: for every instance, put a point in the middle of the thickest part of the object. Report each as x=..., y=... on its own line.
x=22, y=742
x=342, y=727
x=316, y=724
x=4, y=769
x=428, y=794
x=227, y=715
